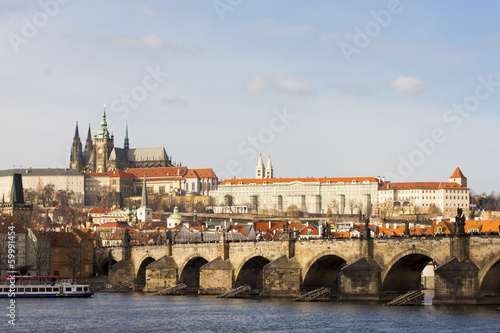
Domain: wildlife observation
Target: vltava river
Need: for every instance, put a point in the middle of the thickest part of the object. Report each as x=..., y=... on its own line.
x=135, y=312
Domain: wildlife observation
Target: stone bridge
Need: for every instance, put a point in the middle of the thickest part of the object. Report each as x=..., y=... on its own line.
x=467, y=269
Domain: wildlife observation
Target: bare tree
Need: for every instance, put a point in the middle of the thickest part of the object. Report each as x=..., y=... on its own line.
x=351, y=203
x=200, y=207
x=154, y=201
x=38, y=251
x=292, y=211
x=387, y=208
x=335, y=207
x=107, y=197
x=47, y=194
x=64, y=197
x=228, y=200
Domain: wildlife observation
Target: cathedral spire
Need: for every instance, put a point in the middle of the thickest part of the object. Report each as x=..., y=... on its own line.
x=269, y=168
x=77, y=134
x=259, y=170
x=125, y=143
x=76, y=151
x=88, y=143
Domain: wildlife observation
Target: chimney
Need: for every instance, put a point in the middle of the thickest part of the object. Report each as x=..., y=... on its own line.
x=270, y=225
x=395, y=226
x=387, y=225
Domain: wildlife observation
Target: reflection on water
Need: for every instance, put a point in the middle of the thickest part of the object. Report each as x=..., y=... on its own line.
x=147, y=313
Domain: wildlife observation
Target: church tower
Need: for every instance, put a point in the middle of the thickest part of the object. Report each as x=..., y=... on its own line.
x=269, y=168
x=76, y=159
x=125, y=142
x=88, y=143
x=259, y=170
x=102, y=147
x=458, y=177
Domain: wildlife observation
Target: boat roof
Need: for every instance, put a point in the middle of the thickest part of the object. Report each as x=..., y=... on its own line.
x=33, y=277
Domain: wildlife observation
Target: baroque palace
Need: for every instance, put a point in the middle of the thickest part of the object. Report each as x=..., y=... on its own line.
x=340, y=195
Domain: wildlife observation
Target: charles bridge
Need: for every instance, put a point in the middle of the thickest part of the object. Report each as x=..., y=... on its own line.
x=467, y=268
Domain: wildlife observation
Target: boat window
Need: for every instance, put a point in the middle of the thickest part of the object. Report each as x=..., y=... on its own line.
x=27, y=290
x=35, y=290
x=20, y=290
x=85, y=288
x=79, y=289
x=49, y=289
x=68, y=289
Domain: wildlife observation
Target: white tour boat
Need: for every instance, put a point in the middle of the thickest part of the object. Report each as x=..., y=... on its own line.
x=41, y=286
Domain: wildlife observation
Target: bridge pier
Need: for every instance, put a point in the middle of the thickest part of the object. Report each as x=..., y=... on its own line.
x=122, y=272
x=161, y=274
x=282, y=278
x=456, y=282
x=360, y=281
x=216, y=277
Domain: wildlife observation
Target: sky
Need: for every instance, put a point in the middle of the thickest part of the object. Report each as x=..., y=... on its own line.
x=406, y=90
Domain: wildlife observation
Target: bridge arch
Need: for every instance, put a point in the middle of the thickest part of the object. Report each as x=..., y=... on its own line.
x=250, y=271
x=140, y=274
x=489, y=278
x=190, y=271
x=403, y=273
x=323, y=271
x=103, y=268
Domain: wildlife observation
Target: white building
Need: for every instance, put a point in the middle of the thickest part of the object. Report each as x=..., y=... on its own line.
x=424, y=196
x=35, y=179
x=346, y=195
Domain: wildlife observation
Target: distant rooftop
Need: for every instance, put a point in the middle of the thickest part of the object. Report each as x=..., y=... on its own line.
x=41, y=172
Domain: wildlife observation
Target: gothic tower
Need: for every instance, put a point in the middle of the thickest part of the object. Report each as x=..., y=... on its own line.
x=88, y=143
x=259, y=170
x=125, y=142
x=269, y=169
x=102, y=147
x=76, y=160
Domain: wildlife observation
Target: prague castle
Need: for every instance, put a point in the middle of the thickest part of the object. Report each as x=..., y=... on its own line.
x=101, y=155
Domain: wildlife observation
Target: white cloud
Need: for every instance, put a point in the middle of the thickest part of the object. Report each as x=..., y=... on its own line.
x=132, y=42
x=175, y=102
x=278, y=29
x=151, y=42
x=285, y=83
x=257, y=83
x=408, y=84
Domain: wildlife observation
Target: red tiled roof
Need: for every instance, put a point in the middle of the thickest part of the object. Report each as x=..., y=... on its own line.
x=99, y=210
x=158, y=172
x=114, y=225
x=458, y=174
x=205, y=173
x=303, y=180
x=421, y=186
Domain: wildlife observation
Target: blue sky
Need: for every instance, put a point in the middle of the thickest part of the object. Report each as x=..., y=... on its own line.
x=327, y=88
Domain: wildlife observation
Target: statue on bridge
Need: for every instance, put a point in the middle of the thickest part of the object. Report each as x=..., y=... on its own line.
x=366, y=229
x=126, y=239
x=459, y=223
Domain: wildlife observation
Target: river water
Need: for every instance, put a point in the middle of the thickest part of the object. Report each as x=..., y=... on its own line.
x=136, y=312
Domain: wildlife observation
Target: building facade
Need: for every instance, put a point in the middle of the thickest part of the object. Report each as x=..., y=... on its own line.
x=36, y=179
x=100, y=154
x=173, y=181
x=348, y=195
x=423, y=197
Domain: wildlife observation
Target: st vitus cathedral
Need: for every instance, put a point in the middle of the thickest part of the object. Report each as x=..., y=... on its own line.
x=101, y=155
